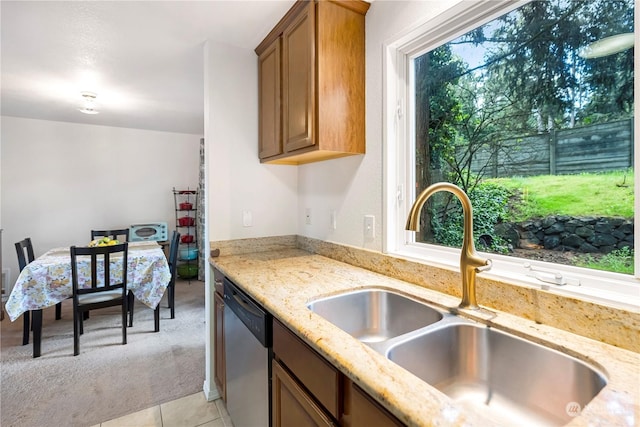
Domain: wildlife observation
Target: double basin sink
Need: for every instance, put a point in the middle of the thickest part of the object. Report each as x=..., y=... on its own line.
x=509, y=379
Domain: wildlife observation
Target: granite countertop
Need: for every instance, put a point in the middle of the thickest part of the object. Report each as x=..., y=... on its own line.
x=284, y=281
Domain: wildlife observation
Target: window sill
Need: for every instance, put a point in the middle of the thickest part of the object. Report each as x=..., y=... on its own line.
x=599, y=287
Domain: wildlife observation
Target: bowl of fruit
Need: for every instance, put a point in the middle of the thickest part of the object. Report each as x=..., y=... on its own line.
x=104, y=241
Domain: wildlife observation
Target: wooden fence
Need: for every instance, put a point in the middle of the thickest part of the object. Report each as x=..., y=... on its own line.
x=595, y=148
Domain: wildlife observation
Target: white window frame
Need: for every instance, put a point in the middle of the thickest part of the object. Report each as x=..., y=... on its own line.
x=399, y=140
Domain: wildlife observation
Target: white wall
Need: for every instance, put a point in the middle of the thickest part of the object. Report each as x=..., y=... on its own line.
x=60, y=180
x=237, y=180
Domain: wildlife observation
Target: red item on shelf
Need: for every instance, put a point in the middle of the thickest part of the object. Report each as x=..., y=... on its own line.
x=187, y=238
x=185, y=206
x=186, y=221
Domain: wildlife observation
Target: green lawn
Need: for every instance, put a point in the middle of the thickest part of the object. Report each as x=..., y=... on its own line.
x=588, y=194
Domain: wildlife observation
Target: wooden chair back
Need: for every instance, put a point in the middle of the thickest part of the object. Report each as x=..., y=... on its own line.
x=104, y=269
x=173, y=254
x=113, y=234
x=24, y=250
x=173, y=261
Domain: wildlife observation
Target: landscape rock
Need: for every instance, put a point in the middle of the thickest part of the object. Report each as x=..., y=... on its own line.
x=561, y=232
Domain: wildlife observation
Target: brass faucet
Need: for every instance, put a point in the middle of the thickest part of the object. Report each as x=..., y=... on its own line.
x=470, y=262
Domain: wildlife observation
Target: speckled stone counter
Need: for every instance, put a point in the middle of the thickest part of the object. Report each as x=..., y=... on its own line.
x=608, y=323
x=285, y=279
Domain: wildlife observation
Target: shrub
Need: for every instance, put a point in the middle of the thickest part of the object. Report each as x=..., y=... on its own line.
x=489, y=202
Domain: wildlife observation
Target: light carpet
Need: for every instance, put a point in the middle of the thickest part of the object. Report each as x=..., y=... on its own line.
x=108, y=379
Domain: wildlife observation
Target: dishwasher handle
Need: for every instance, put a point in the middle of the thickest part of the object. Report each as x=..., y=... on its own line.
x=244, y=304
x=250, y=313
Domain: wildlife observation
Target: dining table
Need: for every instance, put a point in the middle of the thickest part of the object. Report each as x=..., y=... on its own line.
x=46, y=281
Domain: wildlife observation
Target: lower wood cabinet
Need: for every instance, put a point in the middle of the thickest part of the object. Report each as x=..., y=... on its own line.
x=309, y=391
x=311, y=369
x=292, y=405
x=360, y=409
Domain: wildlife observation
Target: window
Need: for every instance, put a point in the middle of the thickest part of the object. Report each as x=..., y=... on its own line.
x=529, y=108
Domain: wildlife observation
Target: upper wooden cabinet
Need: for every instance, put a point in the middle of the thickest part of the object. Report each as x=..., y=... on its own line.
x=311, y=70
x=270, y=139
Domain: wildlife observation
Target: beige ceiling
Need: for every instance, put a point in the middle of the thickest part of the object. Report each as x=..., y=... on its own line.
x=143, y=59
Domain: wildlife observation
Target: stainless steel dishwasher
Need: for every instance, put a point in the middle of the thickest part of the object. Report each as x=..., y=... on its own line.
x=247, y=334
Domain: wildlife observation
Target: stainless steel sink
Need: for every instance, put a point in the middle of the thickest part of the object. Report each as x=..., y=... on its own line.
x=375, y=315
x=514, y=381
x=508, y=379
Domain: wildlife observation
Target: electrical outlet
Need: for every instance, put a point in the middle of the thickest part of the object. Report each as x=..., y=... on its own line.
x=307, y=216
x=369, y=227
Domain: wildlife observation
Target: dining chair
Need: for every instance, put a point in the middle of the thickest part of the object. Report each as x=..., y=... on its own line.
x=24, y=250
x=173, y=260
x=114, y=234
x=102, y=293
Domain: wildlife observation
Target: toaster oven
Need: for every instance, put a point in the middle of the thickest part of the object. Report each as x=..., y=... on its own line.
x=152, y=231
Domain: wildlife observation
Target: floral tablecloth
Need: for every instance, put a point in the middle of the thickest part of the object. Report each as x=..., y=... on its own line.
x=47, y=280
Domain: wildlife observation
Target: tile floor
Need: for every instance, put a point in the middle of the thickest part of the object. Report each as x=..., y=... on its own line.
x=189, y=411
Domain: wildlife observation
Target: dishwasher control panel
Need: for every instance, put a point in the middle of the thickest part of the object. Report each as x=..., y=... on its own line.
x=252, y=315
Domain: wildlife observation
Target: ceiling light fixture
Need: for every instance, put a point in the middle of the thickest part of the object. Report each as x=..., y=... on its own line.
x=89, y=106
x=608, y=46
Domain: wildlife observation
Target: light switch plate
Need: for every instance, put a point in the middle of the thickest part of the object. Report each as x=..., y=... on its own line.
x=247, y=219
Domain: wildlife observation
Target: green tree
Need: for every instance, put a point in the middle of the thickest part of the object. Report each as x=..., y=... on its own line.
x=538, y=40
x=608, y=79
x=537, y=47
x=437, y=115
x=437, y=109
x=531, y=79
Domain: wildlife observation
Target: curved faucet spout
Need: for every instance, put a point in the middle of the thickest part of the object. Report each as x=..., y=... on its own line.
x=470, y=262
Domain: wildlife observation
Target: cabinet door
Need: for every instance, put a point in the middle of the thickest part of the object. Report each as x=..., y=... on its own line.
x=291, y=405
x=361, y=410
x=318, y=376
x=298, y=76
x=219, y=359
x=270, y=114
